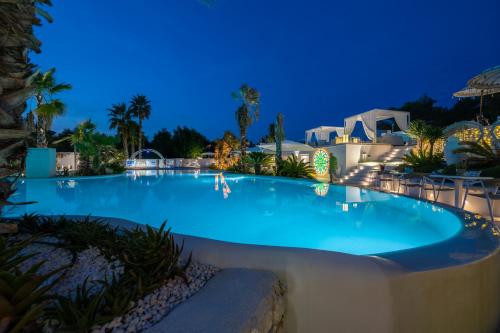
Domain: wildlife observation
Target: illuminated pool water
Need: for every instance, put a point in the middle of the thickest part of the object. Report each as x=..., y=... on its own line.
x=250, y=210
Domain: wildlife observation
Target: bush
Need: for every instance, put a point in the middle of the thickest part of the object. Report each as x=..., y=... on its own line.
x=422, y=161
x=23, y=295
x=293, y=167
x=150, y=257
x=491, y=172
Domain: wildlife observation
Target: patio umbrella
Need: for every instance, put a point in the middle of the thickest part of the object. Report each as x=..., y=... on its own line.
x=486, y=83
x=489, y=79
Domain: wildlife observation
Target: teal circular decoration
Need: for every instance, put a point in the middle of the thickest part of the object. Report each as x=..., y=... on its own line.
x=321, y=162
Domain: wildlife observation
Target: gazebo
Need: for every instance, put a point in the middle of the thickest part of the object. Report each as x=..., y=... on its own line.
x=369, y=120
x=322, y=134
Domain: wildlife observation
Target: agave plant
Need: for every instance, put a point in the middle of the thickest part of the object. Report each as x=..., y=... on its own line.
x=81, y=313
x=23, y=295
x=151, y=257
x=293, y=167
x=257, y=160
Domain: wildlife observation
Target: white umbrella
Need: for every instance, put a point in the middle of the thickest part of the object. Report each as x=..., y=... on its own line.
x=475, y=92
x=489, y=79
x=486, y=83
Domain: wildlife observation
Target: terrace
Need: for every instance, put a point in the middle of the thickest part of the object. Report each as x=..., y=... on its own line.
x=128, y=223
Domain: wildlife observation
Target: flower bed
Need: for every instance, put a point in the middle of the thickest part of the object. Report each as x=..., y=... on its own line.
x=57, y=274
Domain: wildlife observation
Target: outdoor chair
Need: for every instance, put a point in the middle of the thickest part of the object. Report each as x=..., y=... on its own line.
x=488, y=190
x=436, y=187
x=409, y=181
x=385, y=177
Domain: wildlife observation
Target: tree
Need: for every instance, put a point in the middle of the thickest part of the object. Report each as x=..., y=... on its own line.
x=247, y=112
x=416, y=130
x=258, y=160
x=17, y=19
x=140, y=107
x=162, y=142
x=279, y=136
x=47, y=107
x=119, y=118
x=432, y=134
x=133, y=130
x=188, y=143
x=223, y=151
x=271, y=133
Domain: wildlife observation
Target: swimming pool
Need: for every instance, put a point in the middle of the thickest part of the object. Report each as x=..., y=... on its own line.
x=249, y=210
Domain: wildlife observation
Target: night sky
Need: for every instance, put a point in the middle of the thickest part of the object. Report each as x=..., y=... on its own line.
x=316, y=61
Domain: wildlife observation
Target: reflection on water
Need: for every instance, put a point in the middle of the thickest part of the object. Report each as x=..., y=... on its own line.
x=254, y=210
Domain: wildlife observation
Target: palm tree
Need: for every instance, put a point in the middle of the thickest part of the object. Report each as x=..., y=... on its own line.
x=247, y=112
x=480, y=152
x=17, y=19
x=416, y=130
x=140, y=107
x=279, y=136
x=432, y=134
x=47, y=107
x=133, y=130
x=258, y=160
x=119, y=118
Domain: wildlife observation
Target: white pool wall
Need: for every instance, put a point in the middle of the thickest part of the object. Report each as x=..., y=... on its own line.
x=336, y=292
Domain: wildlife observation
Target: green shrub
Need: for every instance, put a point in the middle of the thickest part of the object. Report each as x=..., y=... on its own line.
x=450, y=170
x=491, y=172
x=150, y=257
x=422, y=161
x=81, y=313
x=257, y=160
x=293, y=167
x=23, y=295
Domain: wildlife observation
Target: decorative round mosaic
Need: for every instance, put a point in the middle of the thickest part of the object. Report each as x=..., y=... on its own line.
x=321, y=162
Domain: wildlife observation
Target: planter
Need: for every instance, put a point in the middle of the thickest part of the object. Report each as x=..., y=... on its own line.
x=41, y=163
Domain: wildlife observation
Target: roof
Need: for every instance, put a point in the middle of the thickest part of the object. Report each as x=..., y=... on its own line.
x=286, y=146
x=380, y=114
x=325, y=129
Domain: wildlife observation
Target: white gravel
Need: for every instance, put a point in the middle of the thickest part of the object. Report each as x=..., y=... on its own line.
x=152, y=308
x=90, y=264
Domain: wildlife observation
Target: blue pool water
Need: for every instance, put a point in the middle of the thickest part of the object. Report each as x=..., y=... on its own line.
x=250, y=210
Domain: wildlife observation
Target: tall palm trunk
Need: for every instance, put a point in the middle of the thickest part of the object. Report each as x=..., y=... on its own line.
x=243, y=144
x=41, y=127
x=140, y=137
x=16, y=30
x=125, y=144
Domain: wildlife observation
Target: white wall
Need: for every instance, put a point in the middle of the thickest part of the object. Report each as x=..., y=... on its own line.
x=348, y=154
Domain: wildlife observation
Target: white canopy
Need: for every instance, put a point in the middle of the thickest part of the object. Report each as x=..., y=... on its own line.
x=322, y=133
x=287, y=146
x=369, y=120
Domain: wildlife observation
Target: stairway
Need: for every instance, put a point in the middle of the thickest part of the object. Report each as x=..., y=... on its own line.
x=366, y=172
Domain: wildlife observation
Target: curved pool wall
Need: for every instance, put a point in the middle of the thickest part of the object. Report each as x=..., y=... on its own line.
x=452, y=285
x=251, y=210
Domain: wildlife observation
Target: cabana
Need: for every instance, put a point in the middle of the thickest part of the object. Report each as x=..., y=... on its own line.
x=322, y=134
x=369, y=120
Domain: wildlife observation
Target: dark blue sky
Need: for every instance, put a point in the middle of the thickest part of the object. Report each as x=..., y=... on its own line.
x=316, y=61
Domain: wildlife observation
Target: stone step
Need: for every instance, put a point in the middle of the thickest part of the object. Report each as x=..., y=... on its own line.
x=234, y=300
